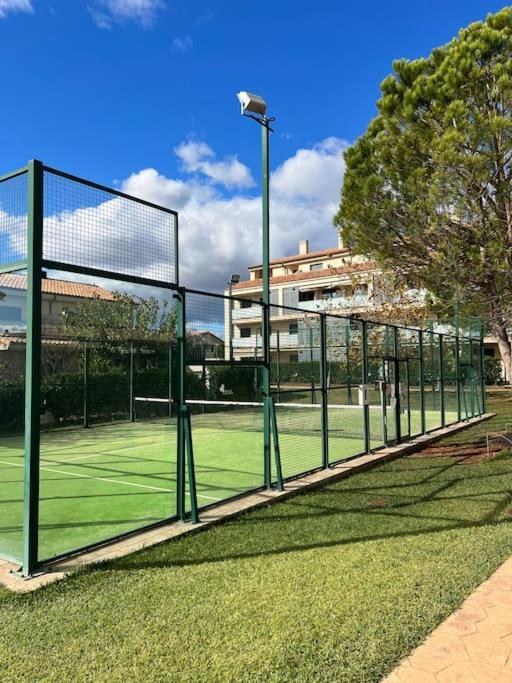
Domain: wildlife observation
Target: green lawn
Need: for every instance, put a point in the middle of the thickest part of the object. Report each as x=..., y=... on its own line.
x=334, y=585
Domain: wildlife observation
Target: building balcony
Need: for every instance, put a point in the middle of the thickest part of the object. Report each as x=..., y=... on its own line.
x=336, y=304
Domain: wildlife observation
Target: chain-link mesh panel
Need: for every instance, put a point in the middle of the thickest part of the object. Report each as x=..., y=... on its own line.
x=295, y=357
x=93, y=227
x=222, y=328
x=450, y=379
x=344, y=356
x=410, y=381
x=224, y=349
x=381, y=380
x=433, y=384
x=108, y=466
x=477, y=375
x=12, y=425
x=13, y=219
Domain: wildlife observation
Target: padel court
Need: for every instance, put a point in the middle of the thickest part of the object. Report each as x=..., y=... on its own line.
x=111, y=479
x=127, y=400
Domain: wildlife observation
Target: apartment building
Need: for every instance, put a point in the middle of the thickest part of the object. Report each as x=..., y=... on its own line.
x=332, y=280
x=327, y=280
x=57, y=295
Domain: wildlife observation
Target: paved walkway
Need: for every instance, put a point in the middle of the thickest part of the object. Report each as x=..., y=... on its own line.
x=473, y=644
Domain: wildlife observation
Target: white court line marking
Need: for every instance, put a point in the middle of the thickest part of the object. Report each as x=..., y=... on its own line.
x=112, y=481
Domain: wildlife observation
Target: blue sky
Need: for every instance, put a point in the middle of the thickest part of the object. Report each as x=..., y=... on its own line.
x=142, y=93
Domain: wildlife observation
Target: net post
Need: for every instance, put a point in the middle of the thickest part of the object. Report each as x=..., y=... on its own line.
x=35, y=216
x=275, y=436
x=179, y=397
x=441, y=379
x=132, y=411
x=278, y=365
x=191, y=470
x=365, y=373
x=86, y=384
x=422, y=383
x=324, y=395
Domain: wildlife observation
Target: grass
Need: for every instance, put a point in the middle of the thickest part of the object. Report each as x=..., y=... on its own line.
x=115, y=478
x=335, y=585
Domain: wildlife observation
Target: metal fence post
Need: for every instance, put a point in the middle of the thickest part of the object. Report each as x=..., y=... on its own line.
x=86, y=384
x=366, y=407
x=132, y=397
x=482, y=367
x=267, y=417
x=35, y=217
x=422, y=383
x=432, y=366
x=179, y=397
x=324, y=393
x=457, y=376
x=398, y=407
x=349, y=377
x=170, y=378
x=441, y=379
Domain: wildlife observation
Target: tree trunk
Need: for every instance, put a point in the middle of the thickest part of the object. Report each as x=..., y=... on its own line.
x=500, y=331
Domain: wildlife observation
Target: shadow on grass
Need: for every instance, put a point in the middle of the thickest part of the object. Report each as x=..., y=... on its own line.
x=324, y=518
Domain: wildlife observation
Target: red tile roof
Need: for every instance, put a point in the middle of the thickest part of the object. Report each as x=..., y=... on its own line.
x=74, y=289
x=333, y=251
x=311, y=275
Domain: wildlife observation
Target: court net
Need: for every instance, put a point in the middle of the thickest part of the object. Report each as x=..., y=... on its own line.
x=247, y=416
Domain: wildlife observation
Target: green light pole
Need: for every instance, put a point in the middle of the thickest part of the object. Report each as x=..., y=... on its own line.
x=254, y=107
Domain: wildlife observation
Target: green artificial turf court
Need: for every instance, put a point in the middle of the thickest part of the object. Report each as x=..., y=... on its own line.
x=111, y=479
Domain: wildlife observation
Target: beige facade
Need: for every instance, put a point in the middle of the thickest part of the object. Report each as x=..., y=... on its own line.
x=331, y=279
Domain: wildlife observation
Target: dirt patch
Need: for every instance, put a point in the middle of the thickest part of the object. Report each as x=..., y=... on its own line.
x=467, y=455
x=379, y=503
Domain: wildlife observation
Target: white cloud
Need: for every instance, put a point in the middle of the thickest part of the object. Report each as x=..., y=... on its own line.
x=183, y=43
x=312, y=173
x=199, y=157
x=11, y=6
x=220, y=234
x=142, y=12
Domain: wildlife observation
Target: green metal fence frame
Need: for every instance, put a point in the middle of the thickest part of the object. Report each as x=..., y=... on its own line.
x=34, y=266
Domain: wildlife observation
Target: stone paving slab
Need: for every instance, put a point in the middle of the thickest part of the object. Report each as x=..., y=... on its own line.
x=220, y=513
x=474, y=645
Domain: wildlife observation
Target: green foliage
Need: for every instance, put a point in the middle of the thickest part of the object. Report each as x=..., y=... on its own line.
x=124, y=318
x=427, y=190
x=492, y=370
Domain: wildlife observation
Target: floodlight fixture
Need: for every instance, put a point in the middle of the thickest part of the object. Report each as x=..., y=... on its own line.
x=234, y=279
x=251, y=103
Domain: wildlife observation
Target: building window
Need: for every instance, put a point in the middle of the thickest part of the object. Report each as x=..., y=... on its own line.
x=307, y=296
x=245, y=332
x=330, y=293
x=245, y=303
x=294, y=358
x=11, y=314
x=316, y=266
x=293, y=328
